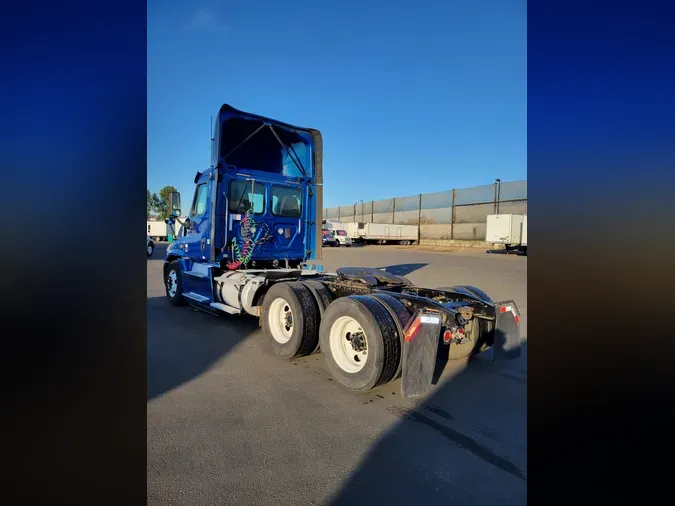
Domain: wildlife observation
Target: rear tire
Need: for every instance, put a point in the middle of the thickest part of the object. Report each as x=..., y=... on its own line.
x=359, y=370
x=150, y=249
x=402, y=315
x=290, y=319
x=323, y=297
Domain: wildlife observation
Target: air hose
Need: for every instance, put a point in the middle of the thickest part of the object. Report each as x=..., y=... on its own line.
x=242, y=254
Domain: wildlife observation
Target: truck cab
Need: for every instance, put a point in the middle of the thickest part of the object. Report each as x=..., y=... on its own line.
x=257, y=205
x=329, y=238
x=342, y=238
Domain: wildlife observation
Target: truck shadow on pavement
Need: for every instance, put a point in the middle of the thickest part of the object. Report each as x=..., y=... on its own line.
x=480, y=414
x=183, y=343
x=402, y=269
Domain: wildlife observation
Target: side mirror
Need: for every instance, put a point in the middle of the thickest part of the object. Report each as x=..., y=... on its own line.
x=174, y=204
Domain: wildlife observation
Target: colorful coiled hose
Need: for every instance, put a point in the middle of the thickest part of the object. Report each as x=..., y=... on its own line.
x=243, y=254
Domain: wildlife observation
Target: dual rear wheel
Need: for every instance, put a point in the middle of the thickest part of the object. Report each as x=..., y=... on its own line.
x=360, y=336
x=357, y=335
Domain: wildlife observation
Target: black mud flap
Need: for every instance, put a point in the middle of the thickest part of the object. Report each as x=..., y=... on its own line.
x=507, y=334
x=420, y=346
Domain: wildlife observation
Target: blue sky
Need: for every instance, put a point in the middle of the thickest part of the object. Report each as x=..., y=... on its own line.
x=411, y=97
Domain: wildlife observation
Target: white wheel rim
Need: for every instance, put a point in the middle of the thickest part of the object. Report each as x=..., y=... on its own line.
x=280, y=320
x=149, y=250
x=172, y=283
x=342, y=345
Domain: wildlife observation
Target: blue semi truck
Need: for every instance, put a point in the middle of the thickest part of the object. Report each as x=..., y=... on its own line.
x=254, y=224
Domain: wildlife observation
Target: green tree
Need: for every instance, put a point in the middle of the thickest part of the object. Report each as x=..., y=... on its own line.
x=158, y=206
x=149, y=204
x=161, y=202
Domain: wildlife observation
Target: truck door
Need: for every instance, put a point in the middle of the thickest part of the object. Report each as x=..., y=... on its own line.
x=288, y=227
x=196, y=247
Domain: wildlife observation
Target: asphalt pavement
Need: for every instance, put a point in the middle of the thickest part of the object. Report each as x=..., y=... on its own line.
x=230, y=423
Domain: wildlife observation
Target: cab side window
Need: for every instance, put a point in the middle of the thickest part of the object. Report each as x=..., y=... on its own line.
x=199, y=202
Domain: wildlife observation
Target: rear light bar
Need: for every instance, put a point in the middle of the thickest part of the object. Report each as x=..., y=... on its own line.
x=415, y=326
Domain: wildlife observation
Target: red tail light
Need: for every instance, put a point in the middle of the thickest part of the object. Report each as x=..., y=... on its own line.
x=413, y=329
x=447, y=335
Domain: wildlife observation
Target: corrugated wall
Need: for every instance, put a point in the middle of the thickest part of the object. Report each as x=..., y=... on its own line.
x=451, y=214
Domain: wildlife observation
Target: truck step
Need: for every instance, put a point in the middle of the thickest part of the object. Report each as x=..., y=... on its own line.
x=199, y=270
x=225, y=307
x=196, y=296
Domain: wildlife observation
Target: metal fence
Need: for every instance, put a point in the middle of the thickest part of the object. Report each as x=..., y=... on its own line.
x=452, y=214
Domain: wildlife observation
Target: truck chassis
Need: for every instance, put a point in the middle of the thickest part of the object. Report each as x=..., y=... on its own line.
x=372, y=327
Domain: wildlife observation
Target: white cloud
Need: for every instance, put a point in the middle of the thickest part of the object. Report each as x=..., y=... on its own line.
x=203, y=20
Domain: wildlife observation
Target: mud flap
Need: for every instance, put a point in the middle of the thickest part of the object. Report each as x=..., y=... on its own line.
x=420, y=346
x=507, y=334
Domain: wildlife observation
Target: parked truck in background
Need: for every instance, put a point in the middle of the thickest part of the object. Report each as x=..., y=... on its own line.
x=253, y=228
x=382, y=233
x=158, y=230
x=329, y=238
x=507, y=229
x=338, y=232
x=352, y=229
x=342, y=238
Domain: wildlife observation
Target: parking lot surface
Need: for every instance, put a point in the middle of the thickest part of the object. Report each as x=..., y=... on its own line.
x=230, y=423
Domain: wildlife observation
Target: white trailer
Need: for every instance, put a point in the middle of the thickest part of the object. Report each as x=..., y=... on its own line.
x=382, y=233
x=523, y=239
x=333, y=224
x=506, y=229
x=158, y=230
x=352, y=229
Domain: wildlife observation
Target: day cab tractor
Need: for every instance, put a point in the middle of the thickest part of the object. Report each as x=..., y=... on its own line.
x=253, y=227
x=329, y=238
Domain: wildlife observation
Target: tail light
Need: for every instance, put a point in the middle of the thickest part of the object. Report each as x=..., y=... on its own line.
x=416, y=325
x=413, y=329
x=447, y=335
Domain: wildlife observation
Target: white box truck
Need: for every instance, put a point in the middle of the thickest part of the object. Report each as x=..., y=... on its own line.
x=338, y=231
x=523, y=239
x=158, y=230
x=382, y=233
x=506, y=229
